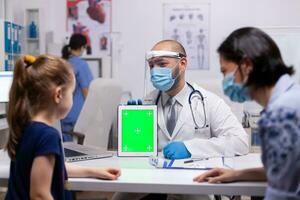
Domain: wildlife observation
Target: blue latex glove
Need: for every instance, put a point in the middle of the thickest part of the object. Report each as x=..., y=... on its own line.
x=176, y=150
x=135, y=102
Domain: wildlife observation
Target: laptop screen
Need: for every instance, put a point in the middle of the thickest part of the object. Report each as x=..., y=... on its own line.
x=6, y=78
x=137, y=130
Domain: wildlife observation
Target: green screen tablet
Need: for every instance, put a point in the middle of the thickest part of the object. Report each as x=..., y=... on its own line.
x=137, y=130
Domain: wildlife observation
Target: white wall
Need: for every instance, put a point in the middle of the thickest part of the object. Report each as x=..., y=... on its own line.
x=2, y=9
x=13, y=11
x=140, y=24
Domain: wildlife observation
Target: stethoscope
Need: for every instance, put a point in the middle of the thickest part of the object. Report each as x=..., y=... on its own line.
x=191, y=96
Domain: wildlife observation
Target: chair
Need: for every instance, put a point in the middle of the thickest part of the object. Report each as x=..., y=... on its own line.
x=100, y=108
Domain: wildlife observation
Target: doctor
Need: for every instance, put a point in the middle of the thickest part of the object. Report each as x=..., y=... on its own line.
x=215, y=129
x=206, y=129
x=179, y=136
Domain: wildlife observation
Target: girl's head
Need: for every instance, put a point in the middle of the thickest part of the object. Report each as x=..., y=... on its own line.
x=253, y=57
x=42, y=84
x=77, y=44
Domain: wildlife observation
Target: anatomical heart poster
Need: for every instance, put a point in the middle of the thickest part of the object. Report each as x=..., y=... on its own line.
x=92, y=18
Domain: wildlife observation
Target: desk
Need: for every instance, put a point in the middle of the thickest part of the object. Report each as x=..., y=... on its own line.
x=139, y=176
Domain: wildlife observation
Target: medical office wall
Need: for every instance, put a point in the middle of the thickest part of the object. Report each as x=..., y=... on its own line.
x=139, y=24
x=2, y=9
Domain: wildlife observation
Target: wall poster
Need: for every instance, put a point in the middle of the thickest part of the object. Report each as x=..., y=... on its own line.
x=189, y=24
x=93, y=19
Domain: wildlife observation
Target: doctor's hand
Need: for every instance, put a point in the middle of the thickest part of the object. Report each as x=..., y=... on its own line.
x=218, y=175
x=176, y=150
x=135, y=102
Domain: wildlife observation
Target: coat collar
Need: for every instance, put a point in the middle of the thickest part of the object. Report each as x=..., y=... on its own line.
x=181, y=97
x=284, y=83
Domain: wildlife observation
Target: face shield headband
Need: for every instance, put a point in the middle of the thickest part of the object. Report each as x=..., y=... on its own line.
x=171, y=54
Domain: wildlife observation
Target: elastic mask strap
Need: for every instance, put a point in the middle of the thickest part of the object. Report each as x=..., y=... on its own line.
x=234, y=72
x=175, y=69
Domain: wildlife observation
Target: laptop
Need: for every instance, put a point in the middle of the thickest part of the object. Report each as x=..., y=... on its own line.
x=75, y=152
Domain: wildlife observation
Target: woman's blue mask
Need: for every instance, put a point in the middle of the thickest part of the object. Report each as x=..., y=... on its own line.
x=161, y=78
x=235, y=91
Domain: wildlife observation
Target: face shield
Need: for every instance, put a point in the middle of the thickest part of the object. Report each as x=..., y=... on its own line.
x=156, y=59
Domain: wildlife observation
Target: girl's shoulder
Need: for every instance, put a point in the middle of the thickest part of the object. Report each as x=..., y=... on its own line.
x=43, y=139
x=39, y=130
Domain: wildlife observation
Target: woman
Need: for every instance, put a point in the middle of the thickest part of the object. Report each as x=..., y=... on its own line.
x=253, y=69
x=72, y=52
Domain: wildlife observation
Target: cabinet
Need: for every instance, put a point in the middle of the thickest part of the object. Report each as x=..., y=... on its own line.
x=33, y=44
x=10, y=43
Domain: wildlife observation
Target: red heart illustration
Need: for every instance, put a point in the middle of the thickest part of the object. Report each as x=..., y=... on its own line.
x=96, y=13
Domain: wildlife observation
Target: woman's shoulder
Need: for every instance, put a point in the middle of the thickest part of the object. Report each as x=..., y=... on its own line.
x=288, y=99
x=77, y=60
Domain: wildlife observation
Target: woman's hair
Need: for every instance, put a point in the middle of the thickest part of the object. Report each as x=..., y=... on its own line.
x=33, y=85
x=255, y=45
x=77, y=41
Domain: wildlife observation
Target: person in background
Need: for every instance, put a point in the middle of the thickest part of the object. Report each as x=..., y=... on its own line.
x=253, y=69
x=83, y=75
x=40, y=95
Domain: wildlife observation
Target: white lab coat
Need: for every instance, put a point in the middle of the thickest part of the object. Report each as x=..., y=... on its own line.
x=224, y=133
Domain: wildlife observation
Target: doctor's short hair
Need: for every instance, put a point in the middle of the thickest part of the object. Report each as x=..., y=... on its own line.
x=254, y=44
x=176, y=46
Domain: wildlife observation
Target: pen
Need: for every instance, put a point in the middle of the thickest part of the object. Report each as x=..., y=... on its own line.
x=189, y=168
x=194, y=160
x=223, y=161
x=224, y=164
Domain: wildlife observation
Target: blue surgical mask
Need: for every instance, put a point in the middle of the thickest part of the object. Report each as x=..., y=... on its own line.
x=161, y=78
x=235, y=91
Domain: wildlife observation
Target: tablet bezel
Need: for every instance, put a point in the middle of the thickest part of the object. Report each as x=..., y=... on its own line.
x=139, y=107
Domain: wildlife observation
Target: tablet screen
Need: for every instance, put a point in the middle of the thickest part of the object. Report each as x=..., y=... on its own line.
x=137, y=130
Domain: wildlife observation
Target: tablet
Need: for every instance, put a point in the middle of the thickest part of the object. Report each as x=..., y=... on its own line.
x=137, y=130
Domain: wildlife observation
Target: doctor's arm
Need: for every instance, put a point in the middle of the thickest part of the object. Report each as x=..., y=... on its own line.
x=227, y=133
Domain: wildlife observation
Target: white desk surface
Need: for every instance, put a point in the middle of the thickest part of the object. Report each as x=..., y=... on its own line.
x=139, y=176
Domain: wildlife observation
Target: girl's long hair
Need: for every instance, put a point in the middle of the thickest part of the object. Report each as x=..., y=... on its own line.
x=32, y=88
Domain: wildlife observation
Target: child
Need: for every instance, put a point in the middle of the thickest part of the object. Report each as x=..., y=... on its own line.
x=41, y=94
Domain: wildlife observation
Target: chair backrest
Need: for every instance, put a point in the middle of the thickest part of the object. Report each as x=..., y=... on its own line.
x=214, y=85
x=99, y=110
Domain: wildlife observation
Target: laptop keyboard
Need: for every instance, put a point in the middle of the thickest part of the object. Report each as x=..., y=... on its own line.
x=72, y=153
